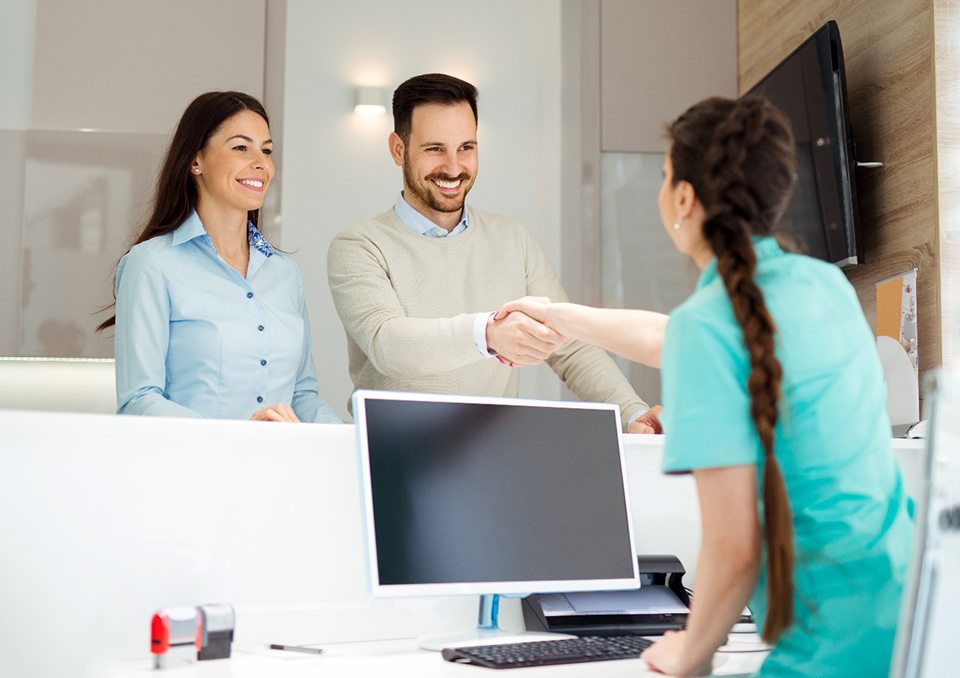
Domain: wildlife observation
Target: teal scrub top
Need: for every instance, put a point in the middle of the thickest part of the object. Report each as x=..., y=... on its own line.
x=852, y=528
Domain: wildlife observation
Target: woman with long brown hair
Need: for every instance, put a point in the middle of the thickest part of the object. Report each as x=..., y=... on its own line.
x=774, y=399
x=210, y=318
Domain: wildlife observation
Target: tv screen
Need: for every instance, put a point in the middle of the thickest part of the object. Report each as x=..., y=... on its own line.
x=809, y=86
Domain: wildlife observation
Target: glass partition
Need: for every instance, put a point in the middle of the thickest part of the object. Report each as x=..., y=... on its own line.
x=641, y=268
x=85, y=194
x=88, y=113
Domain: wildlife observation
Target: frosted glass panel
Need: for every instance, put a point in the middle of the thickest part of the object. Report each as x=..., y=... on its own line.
x=11, y=232
x=85, y=196
x=641, y=267
x=93, y=90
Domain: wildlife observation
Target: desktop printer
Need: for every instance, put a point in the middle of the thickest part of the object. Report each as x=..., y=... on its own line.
x=660, y=604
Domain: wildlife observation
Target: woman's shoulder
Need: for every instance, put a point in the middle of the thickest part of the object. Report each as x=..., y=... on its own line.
x=707, y=304
x=810, y=277
x=154, y=247
x=804, y=262
x=147, y=255
x=704, y=323
x=285, y=264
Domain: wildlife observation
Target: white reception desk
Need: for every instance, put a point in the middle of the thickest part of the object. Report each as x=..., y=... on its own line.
x=106, y=519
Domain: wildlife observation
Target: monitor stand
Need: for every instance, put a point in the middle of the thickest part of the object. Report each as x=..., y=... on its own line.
x=487, y=631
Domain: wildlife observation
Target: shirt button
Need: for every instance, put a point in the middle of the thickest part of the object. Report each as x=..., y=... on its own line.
x=260, y=327
x=259, y=399
x=249, y=295
x=263, y=362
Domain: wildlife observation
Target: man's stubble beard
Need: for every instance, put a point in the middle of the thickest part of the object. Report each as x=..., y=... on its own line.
x=425, y=195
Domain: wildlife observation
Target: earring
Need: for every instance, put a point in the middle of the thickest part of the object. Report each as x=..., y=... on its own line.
x=196, y=170
x=677, y=224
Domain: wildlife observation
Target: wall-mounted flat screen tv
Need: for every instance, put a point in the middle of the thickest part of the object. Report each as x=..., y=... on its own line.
x=809, y=86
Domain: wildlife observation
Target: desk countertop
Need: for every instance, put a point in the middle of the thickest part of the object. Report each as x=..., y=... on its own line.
x=108, y=519
x=397, y=659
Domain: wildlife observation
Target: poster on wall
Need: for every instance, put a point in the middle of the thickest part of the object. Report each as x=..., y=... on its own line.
x=897, y=312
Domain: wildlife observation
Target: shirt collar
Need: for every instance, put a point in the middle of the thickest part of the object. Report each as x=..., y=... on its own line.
x=258, y=242
x=418, y=223
x=193, y=228
x=189, y=229
x=765, y=247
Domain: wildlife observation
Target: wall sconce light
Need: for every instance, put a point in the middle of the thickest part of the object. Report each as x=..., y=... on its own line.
x=370, y=101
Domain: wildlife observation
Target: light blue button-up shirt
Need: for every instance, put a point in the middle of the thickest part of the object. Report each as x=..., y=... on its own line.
x=194, y=338
x=418, y=223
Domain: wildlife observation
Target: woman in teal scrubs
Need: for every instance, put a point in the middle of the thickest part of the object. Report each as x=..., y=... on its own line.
x=774, y=399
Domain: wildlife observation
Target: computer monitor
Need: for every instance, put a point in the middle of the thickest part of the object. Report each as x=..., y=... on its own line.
x=471, y=495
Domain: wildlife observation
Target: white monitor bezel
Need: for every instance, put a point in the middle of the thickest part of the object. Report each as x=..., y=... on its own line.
x=474, y=588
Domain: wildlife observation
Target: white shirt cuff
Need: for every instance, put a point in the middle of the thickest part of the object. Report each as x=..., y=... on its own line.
x=639, y=413
x=480, y=334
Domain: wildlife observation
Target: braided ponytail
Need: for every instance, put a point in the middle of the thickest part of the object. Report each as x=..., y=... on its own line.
x=744, y=179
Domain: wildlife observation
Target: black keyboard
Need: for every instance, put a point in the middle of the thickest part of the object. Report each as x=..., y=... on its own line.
x=544, y=652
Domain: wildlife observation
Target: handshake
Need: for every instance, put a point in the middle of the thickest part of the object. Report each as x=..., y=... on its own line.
x=526, y=331
x=521, y=332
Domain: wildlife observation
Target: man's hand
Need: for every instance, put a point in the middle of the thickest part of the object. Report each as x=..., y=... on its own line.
x=278, y=412
x=648, y=422
x=520, y=339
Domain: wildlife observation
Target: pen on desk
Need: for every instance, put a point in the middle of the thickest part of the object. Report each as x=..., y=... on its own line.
x=296, y=648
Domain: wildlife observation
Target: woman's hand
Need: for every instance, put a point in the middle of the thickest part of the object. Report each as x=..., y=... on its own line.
x=278, y=412
x=535, y=307
x=634, y=334
x=668, y=655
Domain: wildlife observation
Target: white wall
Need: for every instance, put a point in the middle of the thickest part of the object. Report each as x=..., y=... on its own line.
x=336, y=169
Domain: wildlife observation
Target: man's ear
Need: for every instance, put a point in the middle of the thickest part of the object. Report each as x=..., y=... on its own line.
x=396, y=146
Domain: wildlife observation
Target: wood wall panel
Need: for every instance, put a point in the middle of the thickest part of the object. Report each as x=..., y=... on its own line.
x=889, y=53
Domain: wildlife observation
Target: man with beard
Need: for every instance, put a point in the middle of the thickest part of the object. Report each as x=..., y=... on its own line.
x=417, y=287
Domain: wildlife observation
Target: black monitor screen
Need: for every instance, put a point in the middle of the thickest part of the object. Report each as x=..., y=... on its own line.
x=809, y=86
x=479, y=492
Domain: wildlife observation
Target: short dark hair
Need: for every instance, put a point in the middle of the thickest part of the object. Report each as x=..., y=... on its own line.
x=429, y=88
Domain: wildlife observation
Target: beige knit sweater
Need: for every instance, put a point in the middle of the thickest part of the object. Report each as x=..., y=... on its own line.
x=408, y=301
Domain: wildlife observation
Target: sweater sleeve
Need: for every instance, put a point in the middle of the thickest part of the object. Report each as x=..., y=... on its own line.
x=374, y=317
x=585, y=369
